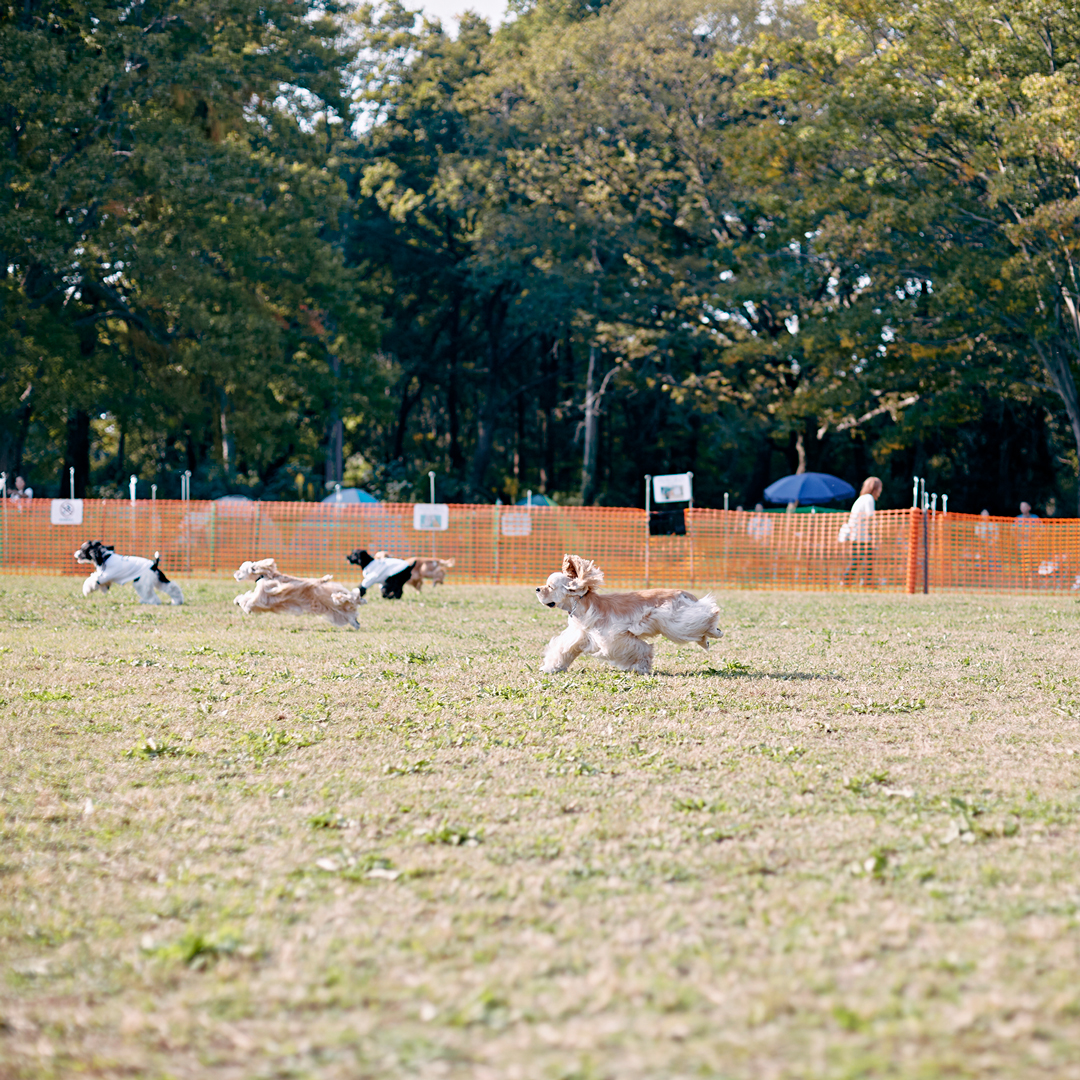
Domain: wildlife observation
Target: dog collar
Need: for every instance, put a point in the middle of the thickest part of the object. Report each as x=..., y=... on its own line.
x=574, y=608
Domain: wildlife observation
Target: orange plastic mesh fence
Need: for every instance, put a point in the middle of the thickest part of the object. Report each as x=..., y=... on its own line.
x=519, y=545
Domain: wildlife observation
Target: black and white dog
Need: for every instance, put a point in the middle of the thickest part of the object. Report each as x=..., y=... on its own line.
x=113, y=569
x=392, y=574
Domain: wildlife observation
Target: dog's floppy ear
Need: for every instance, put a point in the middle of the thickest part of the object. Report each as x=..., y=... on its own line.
x=583, y=573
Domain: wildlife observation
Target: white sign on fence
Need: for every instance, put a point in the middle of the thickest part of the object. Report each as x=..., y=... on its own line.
x=66, y=511
x=675, y=487
x=516, y=524
x=431, y=517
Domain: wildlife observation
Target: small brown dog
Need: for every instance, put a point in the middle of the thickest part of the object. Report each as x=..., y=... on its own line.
x=614, y=626
x=434, y=570
x=275, y=591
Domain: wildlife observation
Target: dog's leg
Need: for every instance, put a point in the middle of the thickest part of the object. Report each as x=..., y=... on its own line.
x=144, y=589
x=169, y=589
x=563, y=650
x=629, y=653
x=92, y=584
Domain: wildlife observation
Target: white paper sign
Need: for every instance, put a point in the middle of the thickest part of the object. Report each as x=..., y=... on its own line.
x=675, y=487
x=431, y=517
x=66, y=511
x=515, y=524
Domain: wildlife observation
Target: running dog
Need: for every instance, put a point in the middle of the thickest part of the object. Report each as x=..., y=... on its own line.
x=286, y=595
x=111, y=569
x=613, y=626
x=433, y=570
x=392, y=574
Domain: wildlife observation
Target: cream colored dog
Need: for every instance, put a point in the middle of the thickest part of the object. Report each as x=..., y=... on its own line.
x=613, y=627
x=434, y=570
x=275, y=591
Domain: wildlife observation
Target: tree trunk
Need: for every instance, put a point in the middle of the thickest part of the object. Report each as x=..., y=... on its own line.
x=453, y=403
x=495, y=314
x=592, y=417
x=593, y=397
x=1062, y=373
x=334, y=471
x=335, y=450
x=77, y=455
x=519, y=443
x=1056, y=361
x=13, y=438
x=485, y=437
x=227, y=451
x=548, y=400
x=407, y=402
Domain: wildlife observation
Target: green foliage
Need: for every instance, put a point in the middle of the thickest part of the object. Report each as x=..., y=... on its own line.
x=605, y=239
x=166, y=228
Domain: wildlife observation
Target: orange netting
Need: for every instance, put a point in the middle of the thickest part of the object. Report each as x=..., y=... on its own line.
x=519, y=545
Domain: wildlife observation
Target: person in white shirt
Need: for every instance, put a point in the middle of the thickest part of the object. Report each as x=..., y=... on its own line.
x=859, y=535
x=987, y=533
x=21, y=492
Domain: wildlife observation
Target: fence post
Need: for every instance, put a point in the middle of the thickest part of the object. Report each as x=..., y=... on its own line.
x=925, y=549
x=648, y=506
x=690, y=529
x=911, y=576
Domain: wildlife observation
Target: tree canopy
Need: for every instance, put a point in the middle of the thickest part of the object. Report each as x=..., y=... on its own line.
x=291, y=243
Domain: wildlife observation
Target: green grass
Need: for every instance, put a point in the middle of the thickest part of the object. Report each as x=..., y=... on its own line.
x=842, y=844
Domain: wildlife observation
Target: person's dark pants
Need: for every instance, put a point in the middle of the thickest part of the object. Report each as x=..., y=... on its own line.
x=861, y=569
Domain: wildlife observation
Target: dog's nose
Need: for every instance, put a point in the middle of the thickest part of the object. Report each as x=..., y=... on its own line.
x=537, y=588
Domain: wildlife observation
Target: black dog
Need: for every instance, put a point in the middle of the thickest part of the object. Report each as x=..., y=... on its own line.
x=392, y=574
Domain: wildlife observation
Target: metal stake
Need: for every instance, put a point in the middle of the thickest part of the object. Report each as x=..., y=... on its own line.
x=648, y=515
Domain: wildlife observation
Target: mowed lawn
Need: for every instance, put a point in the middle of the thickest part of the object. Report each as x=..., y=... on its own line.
x=842, y=844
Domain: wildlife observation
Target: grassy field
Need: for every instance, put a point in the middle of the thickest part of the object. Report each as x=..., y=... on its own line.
x=843, y=844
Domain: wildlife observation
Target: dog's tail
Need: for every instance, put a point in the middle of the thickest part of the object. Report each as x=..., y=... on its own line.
x=156, y=569
x=448, y=563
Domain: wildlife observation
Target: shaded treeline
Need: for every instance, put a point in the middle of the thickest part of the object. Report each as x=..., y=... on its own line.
x=605, y=240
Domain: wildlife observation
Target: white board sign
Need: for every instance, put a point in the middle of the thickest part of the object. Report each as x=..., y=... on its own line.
x=516, y=524
x=675, y=487
x=66, y=511
x=431, y=517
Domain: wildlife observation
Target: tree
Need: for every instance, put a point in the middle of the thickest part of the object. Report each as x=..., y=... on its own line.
x=166, y=230
x=958, y=124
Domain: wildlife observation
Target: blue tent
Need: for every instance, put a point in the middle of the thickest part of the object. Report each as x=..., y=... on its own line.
x=811, y=487
x=350, y=495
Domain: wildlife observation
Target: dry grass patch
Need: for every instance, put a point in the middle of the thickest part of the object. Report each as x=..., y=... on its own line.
x=842, y=844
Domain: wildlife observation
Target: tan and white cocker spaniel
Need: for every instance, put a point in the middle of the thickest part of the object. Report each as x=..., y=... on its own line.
x=424, y=569
x=614, y=626
x=287, y=595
